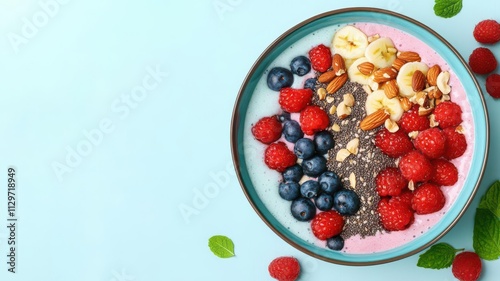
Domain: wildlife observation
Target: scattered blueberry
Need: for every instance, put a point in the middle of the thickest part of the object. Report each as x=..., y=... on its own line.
x=335, y=243
x=346, y=202
x=329, y=182
x=292, y=131
x=310, y=83
x=289, y=190
x=309, y=189
x=323, y=141
x=324, y=202
x=303, y=209
x=300, y=65
x=293, y=173
x=279, y=77
x=314, y=166
x=304, y=148
x=284, y=116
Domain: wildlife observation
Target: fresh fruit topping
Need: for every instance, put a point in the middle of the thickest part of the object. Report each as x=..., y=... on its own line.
x=405, y=198
x=427, y=198
x=313, y=119
x=303, y=209
x=289, y=190
x=300, y=65
x=415, y=167
x=294, y=100
x=466, y=266
x=327, y=224
x=335, y=243
x=278, y=78
x=309, y=189
x=448, y=114
x=394, y=215
x=349, y=42
x=283, y=116
x=278, y=157
x=487, y=31
x=431, y=143
x=304, y=148
x=267, y=130
x=411, y=121
x=378, y=100
x=293, y=173
x=329, y=182
x=310, y=83
x=346, y=202
x=324, y=202
x=493, y=85
x=445, y=173
x=390, y=182
x=393, y=144
x=284, y=269
x=314, y=166
x=292, y=131
x=381, y=52
x=456, y=144
x=405, y=77
x=321, y=58
x=323, y=141
x=482, y=61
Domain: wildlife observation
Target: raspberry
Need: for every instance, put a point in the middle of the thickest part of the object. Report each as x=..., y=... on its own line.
x=390, y=182
x=394, y=215
x=313, y=119
x=448, y=114
x=393, y=144
x=487, y=32
x=294, y=100
x=427, y=198
x=416, y=167
x=456, y=144
x=482, y=61
x=327, y=224
x=466, y=266
x=284, y=269
x=493, y=85
x=405, y=198
x=411, y=121
x=278, y=157
x=321, y=58
x=445, y=173
x=267, y=130
x=431, y=143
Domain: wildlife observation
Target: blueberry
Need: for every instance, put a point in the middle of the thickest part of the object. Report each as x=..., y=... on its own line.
x=324, y=201
x=304, y=148
x=335, y=243
x=346, y=202
x=323, y=141
x=314, y=166
x=300, y=65
x=293, y=173
x=309, y=189
x=279, y=77
x=310, y=83
x=329, y=182
x=292, y=131
x=303, y=209
x=283, y=116
x=289, y=190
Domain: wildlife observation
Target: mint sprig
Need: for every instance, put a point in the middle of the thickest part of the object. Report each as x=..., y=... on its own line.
x=447, y=8
x=486, y=239
x=438, y=256
x=221, y=246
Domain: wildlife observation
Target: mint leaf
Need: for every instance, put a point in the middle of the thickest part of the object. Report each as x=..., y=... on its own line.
x=486, y=239
x=491, y=200
x=438, y=256
x=221, y=246
x=447, y=8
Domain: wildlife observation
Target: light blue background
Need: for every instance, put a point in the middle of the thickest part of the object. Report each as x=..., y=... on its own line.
x=116, y=214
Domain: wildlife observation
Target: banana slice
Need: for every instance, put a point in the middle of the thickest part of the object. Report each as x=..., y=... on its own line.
x=349, y=42
x=378, y=100
x=355, y=75
x=405, y=75
x=381, y=52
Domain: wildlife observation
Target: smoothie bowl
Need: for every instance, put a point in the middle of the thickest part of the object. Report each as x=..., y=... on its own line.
x=360, y=136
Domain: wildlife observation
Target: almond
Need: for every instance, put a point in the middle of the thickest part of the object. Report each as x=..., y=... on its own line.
x=326, y=77
x=418, y=81
x=432, y=74
x=424, y=111
x=338, y=65
x=391, y=89
x=409, y=56
x=384, y=74
x=406, y=103
x=366, y=68
x=336, y=83
x=374, y=120
x=434, y=93
x=343, y=111
x=398, y=63
x=391, y=125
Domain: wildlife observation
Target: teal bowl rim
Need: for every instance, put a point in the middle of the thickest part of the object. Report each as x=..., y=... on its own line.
x=454, y=60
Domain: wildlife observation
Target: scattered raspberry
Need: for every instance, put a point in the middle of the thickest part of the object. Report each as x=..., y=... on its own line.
x=327, y=224
x=393, y=144
x=416, y=167
x=390, y=182
x=394, y=215
x=405, y=198
x=431, y=143
x=482, y=61
x=267, y=130
x=284, y=269
x=448, y=114
x=445, y=173
x=313, y=119
x=493, y=85
x=321, y=58
x=427, y=198
x=456, y=144
x=466, y=266
x=411, y=121
x=487, y=32
x=294, y=100
x=278, y=157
